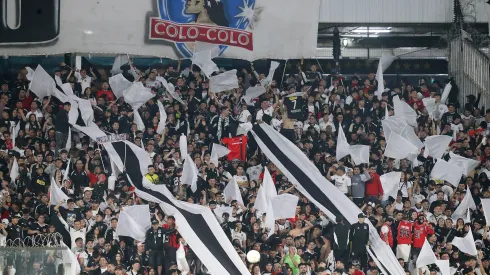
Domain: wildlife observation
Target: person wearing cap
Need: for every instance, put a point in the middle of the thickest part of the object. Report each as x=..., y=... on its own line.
x=14, y=230
x=359, y=238
x=154, y=243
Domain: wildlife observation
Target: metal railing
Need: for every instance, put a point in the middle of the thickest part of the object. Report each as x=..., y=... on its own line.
x=470, y=68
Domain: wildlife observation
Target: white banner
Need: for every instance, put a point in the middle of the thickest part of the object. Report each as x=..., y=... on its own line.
x=250, y=29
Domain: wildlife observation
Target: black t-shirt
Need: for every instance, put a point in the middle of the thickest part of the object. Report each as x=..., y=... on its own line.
x=296, y=107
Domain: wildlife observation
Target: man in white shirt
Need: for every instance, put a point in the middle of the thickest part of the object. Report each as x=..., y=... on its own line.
x=75, y=232
x=84, y=80
x=265, y=110
x=342, y=181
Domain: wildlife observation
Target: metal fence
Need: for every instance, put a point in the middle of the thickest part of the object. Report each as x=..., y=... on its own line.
x=470, y=68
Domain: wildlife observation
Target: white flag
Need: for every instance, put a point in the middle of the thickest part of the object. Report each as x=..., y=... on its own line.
x=119, y=84
x=223, y=82
x=467, y=203
x=163, y=118
x=435, y=146
x=68, y=257
x=444, y=267
x=120, y=60
x=342, y=144
x=430, y=106
x=67, y=171
x=446, y=171
x=244, y=128
x=284, y=206
x=219, y=211
x=134, y=221
x=218, y=151
x=359, y=153
x=445, y=93
x=466, y=244
x=14, y=170
x=386, y=60
x=266, y=192
x=140, y=125
x=42, y=83
x=381, y=84
x=204, y=46
x=486, y=209
x=182, y=264
x=233, y=191
x=270, y=220
x=183, y=146
x=30, y=73
x=14, y=133
x=204, y=61
x=390, y=182
x=270, y=76
x=68, y=140
x=467, y=164
x=56, y=194
x=399, y=148
x=426, y=256
x=402, y=109
x=409, y=133
x=170, y=88
x=253, y=92
x=189, y=173
x=137, y=95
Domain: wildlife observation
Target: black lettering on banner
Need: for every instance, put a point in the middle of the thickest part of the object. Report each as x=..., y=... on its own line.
x=35, y=21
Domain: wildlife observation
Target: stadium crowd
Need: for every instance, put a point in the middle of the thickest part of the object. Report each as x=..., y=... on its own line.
x=307, y=244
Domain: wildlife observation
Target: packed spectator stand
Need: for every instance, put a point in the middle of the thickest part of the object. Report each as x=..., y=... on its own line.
x=310, y=243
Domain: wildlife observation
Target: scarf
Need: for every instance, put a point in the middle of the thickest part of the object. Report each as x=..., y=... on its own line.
x=220, y=127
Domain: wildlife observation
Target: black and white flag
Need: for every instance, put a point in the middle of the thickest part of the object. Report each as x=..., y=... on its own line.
x=195, y=223
x=296, y=166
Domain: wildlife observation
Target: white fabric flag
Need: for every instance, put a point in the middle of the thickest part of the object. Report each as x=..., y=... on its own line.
x=359, y=153
x=137, y=95
x=445, y=93
x=170, y=89
x=140, y=125
x=270, y=220
x=14, y=133
x=266, y=192
x=73, y=113
x=86, y=110
x=244, y=128
x=68, y=140
x=399, y=148
x=118, y=62
x=42, y=83
x=446, y=171
x=68, y=257
x=183, y=146
x=467, y=203
x=134, y=221
x=67, y=171
x=189, y=173
x=386, y=60
x=233, y=191
x=381, y=84
x=467, y=164
x=435, y=146
x=393, y=124
x=253, y=92
x=218, y=151
x=284, y=206
x=409, y=133
x=182, y=264
x=163, y=118
x=270, y=76
x=444, y=267
x=342, y=147
x=223, y=82
x=466, y=244
x=219, y=211
x=387, y=113
x=430, y=105
x=14, y=170
x=390, y=182
x=204, y=61
x=426, y=256
x=486, y=209
x=58, y=81
x=119, y=84
x=56, y=195
x=30, y=73
x=402, y=109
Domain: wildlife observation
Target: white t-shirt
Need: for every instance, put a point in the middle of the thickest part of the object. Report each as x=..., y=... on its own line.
x=254, y=172
x=269, y=111
x=342, y=183
x=241, y=236
x=403, y=187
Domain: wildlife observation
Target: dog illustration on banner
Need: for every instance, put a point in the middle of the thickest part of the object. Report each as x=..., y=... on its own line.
x=222, y=22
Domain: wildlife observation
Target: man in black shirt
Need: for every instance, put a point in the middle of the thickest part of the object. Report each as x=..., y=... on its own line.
x=359, y=237
x=14, y=230
x=62, y=127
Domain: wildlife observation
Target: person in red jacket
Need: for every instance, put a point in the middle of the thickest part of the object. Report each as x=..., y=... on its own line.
x=374, y=189
x=404, y=239
x=386, y=233
x=421, y=229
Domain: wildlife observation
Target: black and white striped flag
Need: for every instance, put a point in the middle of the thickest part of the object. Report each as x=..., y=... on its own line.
x=296, y=166
x=197, y=224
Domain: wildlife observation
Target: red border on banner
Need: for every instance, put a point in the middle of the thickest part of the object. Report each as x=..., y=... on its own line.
x=171, y=31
